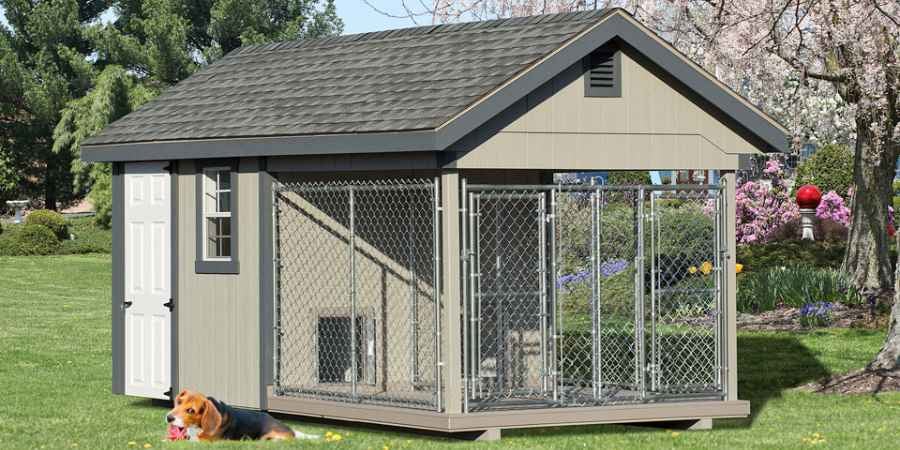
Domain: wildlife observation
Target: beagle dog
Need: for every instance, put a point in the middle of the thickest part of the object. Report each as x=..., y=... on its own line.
x=218, y=421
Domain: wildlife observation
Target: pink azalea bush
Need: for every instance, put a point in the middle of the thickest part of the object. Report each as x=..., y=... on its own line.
x=762, y=210
x=832, y=208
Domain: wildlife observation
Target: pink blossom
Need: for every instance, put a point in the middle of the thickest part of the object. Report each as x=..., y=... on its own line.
x=832, y=208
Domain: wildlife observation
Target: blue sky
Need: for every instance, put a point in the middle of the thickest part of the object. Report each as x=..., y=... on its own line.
x=358, y=17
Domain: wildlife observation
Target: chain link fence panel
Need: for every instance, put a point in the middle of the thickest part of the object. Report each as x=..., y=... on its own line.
x=592, y=295
x=358, y=292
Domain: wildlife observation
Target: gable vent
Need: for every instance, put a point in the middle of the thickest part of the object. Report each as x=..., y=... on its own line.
x=603, y=74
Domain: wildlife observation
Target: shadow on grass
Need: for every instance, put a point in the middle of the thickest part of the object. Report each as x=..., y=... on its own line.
x=769, y=364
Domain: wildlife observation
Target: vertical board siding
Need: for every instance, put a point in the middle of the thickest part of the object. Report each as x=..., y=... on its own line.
x=651, y=126
x=218, y=315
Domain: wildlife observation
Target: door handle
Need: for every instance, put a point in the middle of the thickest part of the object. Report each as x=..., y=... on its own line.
x=126, y=304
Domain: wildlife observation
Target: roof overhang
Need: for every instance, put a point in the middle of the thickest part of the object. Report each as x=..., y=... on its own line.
x=767, y=135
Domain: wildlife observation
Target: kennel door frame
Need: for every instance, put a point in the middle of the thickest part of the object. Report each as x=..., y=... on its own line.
x=472, y=210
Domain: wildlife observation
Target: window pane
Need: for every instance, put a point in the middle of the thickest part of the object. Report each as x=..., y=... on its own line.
x=218, y=237
x=225, y=247
x=224, y=180
x=224, y=202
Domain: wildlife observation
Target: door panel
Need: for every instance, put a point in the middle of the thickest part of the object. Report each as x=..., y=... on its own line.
x=147, y=280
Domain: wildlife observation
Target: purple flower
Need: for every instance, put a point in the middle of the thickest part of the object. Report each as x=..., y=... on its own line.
x=613, y=267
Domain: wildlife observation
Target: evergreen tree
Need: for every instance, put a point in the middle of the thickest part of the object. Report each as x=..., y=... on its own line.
x=153, y=44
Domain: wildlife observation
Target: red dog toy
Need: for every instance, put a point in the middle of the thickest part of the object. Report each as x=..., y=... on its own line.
x=177, y=434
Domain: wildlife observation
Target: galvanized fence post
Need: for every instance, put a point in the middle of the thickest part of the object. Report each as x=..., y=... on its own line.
x=557, y=317
x=542, y=289
x=654, y=295
x=464, y=289
x=595, y=294
x=276, y=294
x=413, y=290
x=353, y=344
x=437, y=286
x=641, y=363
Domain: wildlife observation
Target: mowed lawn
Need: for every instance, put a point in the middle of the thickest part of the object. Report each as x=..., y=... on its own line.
x=55, y=369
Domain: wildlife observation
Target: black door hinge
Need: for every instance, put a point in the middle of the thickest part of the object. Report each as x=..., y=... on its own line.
x=170, y=304
x=168, y=168
x=168, y=393
x=126, y=304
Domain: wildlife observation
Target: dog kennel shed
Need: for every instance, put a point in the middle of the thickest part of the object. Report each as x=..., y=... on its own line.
x=371, y=228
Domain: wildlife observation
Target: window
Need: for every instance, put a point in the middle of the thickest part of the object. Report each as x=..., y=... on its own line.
x=217, y=213
x=217, y=218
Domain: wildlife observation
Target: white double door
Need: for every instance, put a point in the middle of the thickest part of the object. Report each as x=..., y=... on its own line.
x=148, y=284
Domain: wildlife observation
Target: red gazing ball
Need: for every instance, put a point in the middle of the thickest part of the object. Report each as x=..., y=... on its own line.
x=808, y=196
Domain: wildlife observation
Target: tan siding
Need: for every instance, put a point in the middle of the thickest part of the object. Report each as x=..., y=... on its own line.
x=218, y=315
x=652, y=126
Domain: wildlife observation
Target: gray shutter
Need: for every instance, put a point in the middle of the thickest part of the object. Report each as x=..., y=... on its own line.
x=603, y=74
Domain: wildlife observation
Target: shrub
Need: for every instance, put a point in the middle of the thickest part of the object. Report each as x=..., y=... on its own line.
x=88, y=237
x=793, y=286
x=758, y=258
x=29, y=239
x=823, y=229
x=762, y=210
x=830, y=168
x=50, y=219
x=833, y=208
x=628, y=177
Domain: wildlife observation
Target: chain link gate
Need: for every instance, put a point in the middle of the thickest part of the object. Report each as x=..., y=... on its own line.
x=592, y=295
x=357, y=304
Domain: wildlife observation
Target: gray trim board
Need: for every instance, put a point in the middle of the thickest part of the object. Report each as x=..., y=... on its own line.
x=407, y=141
x=266, y=283
x=118, y=279
x=173, y=257
x=218, y=267
x=616, y=25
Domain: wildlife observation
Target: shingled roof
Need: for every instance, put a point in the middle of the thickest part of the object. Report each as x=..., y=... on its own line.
x=415, y=89
x=399, y=80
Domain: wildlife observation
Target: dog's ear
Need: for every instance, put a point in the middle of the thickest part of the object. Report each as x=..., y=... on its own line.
x=210, y=418
x=180, y=397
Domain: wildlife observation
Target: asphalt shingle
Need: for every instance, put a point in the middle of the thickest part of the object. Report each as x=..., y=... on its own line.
x=399, y=80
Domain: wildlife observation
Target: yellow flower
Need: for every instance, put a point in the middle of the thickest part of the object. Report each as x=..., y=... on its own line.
x=738, y=268
x=328, y=434
x=706, y=267
x=675, y=434
x=147, y=445
x=692, y=270
x=132, y=443
x=336, y=437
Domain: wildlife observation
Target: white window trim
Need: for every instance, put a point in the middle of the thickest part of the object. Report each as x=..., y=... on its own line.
x=204, y=214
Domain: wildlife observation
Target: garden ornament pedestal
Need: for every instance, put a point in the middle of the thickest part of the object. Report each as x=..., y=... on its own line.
x=18, y=206
x=808, y=198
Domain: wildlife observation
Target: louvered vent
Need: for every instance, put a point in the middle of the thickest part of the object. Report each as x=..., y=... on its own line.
x=603, y=77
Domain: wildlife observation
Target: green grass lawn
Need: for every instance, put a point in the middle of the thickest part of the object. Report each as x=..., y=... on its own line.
x=55, y=370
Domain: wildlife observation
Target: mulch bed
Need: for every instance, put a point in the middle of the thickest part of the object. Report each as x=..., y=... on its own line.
x=788, y=319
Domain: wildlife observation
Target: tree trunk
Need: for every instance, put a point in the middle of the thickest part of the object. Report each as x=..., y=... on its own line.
x=867, y=259
x=889, y=356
